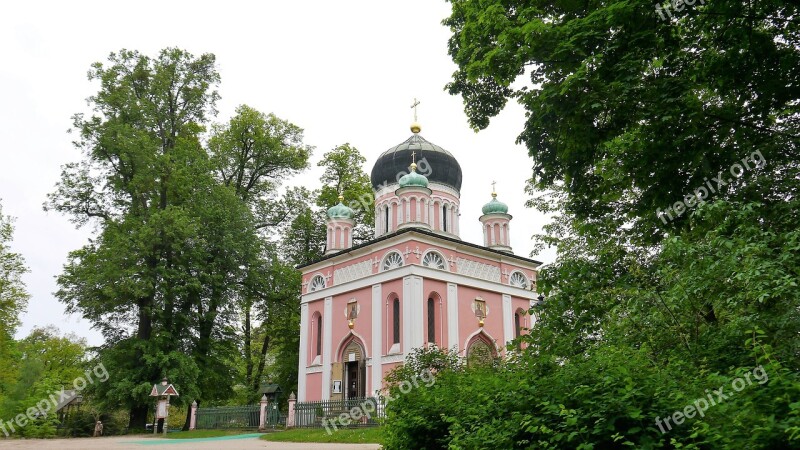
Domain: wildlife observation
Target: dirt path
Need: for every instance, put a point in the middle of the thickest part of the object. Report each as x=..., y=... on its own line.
x=247, y=442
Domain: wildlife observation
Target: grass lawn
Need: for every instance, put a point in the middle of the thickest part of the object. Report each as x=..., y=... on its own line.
x=371, y=435
x=194, y=434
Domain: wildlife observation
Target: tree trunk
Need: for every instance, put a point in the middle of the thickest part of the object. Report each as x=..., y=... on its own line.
x=261, y=362
x=248, y=350
x=138, y=418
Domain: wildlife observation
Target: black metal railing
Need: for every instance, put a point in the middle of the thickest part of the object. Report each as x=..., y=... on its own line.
x=228, y=417
x=351, y=412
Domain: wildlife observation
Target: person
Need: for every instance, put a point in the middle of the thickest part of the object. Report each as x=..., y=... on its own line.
x=98, y=429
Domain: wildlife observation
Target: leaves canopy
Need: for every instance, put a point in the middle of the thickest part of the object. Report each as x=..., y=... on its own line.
x=628, y=113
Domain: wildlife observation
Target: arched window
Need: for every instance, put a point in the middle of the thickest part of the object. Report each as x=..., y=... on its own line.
x=431, y=321
x=317, y=283
x=518, y=279
x=444, y=217
x=318, y=349
x=393, y=260
x=517, y=324
x=386, y=219
x=396, y=321
x=434, y=260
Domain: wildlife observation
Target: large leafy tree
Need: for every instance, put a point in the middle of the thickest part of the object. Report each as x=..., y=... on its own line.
x=627, y=112
x=13, y=299
x=252, y=154
x=170, y=237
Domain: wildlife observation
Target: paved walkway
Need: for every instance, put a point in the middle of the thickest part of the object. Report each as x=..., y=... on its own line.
x=240, y=442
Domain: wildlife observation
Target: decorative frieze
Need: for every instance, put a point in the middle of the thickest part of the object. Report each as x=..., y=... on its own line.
x=477, y=269
x=353, y=272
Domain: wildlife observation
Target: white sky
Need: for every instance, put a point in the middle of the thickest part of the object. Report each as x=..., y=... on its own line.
x=344, y=71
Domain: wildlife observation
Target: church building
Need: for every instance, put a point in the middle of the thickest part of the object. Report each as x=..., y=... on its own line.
x=365, y=307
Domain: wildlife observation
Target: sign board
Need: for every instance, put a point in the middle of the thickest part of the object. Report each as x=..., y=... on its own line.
x=161, y=411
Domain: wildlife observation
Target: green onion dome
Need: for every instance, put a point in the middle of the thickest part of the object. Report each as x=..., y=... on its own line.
x=413, y=178
x=340, y=211
x=495, y=206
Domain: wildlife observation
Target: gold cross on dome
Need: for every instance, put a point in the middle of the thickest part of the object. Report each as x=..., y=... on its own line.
x=413, y=156
x=414, y=107
x=493, y=186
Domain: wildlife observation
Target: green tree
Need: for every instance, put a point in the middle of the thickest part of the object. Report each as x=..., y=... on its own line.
x=170, y=237
x=627, y=113
x=13, y=299
x=13, y=296
x=253, y=153
x=344, y=175
x=47, y=362
x=303, y=237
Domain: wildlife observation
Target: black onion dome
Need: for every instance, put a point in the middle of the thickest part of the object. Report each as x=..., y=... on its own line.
x=439, y=165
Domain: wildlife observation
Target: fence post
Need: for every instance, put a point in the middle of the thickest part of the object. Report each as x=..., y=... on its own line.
x=290, y=416
x=193, y=418
x=262, y=421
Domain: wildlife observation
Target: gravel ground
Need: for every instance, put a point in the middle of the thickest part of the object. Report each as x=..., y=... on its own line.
x=142, y=443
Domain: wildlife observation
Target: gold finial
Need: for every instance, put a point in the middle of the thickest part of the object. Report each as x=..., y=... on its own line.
x=494, y=191
x=415, y=127
x=341, y=197
x=413, y=165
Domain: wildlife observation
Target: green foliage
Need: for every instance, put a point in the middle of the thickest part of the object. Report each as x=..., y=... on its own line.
x=628, y=113
x=47, y=362
x=344, y=174
x=13, y=298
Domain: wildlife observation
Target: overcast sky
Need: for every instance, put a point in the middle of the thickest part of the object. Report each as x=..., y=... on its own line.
x=344, y=71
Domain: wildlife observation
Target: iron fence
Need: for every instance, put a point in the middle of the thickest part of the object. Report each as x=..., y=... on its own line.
x=351, y=412
x=228, y=417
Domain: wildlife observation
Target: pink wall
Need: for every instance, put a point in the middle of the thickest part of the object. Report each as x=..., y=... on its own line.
x=362, y=325
x=468, y=323
x=313, y=387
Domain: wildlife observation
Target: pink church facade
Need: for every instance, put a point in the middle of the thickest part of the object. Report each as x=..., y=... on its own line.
x=365, y=308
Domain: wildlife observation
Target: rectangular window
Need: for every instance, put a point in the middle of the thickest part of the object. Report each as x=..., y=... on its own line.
x=444, y=218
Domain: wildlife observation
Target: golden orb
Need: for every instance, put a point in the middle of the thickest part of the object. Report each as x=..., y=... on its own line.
x=415, y=127
x=351, y=324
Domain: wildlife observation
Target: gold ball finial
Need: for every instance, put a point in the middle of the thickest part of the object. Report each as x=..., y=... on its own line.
x=413, y=167
x=341, y=198
x=415, y=127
